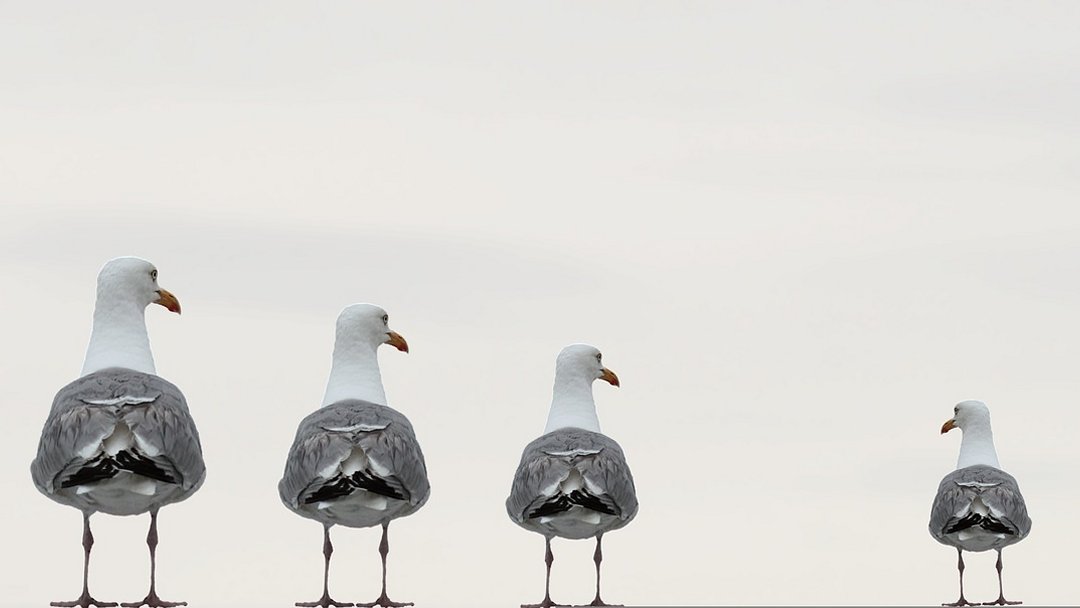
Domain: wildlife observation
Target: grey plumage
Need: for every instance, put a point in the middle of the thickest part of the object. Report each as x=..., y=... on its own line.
x=978, y=507
x=89, y=410
x=550, y=460
x=959, y=495
x=327, y=437
x=573, y=482
x=354, y=462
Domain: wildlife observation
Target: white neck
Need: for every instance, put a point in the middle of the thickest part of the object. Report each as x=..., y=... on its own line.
x=977, y=446
x=572, y=403
x=354, y=373
x=119, y=337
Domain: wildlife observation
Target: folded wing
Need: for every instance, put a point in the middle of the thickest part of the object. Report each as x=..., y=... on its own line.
x=113, y=421
x=979, y=496
x=353, y=445
x=572, y=468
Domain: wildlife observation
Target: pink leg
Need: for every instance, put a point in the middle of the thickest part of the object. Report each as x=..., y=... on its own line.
x=152, y=600
x=385, y=602
x=325, y=601
x=85, y=600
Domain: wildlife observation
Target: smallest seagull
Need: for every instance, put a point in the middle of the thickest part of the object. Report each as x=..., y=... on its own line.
x=978, y=506
x=573, y=481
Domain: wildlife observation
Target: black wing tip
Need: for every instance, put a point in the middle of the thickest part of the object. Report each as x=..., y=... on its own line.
x=589, y=501
x=986, y=522
x=342, y=486
x=137, y=463
x=99, y=471
x=564, y=502
x=107, y=467
x=330, y=491
x=377, y=485
x=559, y=504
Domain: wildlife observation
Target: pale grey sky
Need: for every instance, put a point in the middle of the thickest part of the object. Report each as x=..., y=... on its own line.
x=800, y=232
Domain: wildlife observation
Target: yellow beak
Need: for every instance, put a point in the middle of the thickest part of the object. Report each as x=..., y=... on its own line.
x=168, y=300
x=609, y=376
x=398, y=342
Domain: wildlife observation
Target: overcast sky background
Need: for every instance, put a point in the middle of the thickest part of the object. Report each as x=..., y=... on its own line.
x=799, y=232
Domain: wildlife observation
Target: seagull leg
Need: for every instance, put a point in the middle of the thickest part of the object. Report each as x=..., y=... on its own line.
x=325, y=601
x=385, y=602
x=85, y=600
x=598, y=556
x=1001, y=601
x=152, y=600
x=960, y=566
x=549, y=558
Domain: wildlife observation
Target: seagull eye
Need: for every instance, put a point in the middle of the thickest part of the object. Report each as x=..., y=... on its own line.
x=956, y=410
x=386, y=319
x=598, y=357
x=153, y=274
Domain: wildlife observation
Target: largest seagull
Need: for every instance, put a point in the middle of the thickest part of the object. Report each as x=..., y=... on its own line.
x=119, y=439
x=355, y=461
x=573, y=481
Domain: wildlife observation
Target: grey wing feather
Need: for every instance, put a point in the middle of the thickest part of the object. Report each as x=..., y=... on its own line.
x=87, y=410
x=547, y=461
x=167, y=426
x=537, y=476
x=73, y=428
x=997, y=489
x=323, y=441
x=312, y=451
x=609, y=471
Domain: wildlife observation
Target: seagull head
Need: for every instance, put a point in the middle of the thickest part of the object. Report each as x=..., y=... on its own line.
x=584, y=360
x=135, y=280
x=965, y=414
x=368, y=323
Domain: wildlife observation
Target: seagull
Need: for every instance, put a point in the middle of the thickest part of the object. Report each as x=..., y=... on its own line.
x=978, y=506
x=119, y=439
x=573, y=481
x=356, y=461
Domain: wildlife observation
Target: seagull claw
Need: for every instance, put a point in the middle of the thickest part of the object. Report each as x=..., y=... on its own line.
x=325, y=602
x=153, y=601
x=84, y=601
x=383, y=601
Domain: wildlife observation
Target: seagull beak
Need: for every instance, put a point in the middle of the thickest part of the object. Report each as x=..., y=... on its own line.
x=168, y=300
x=949, y=425
x=397, y=341
x=609, y=376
